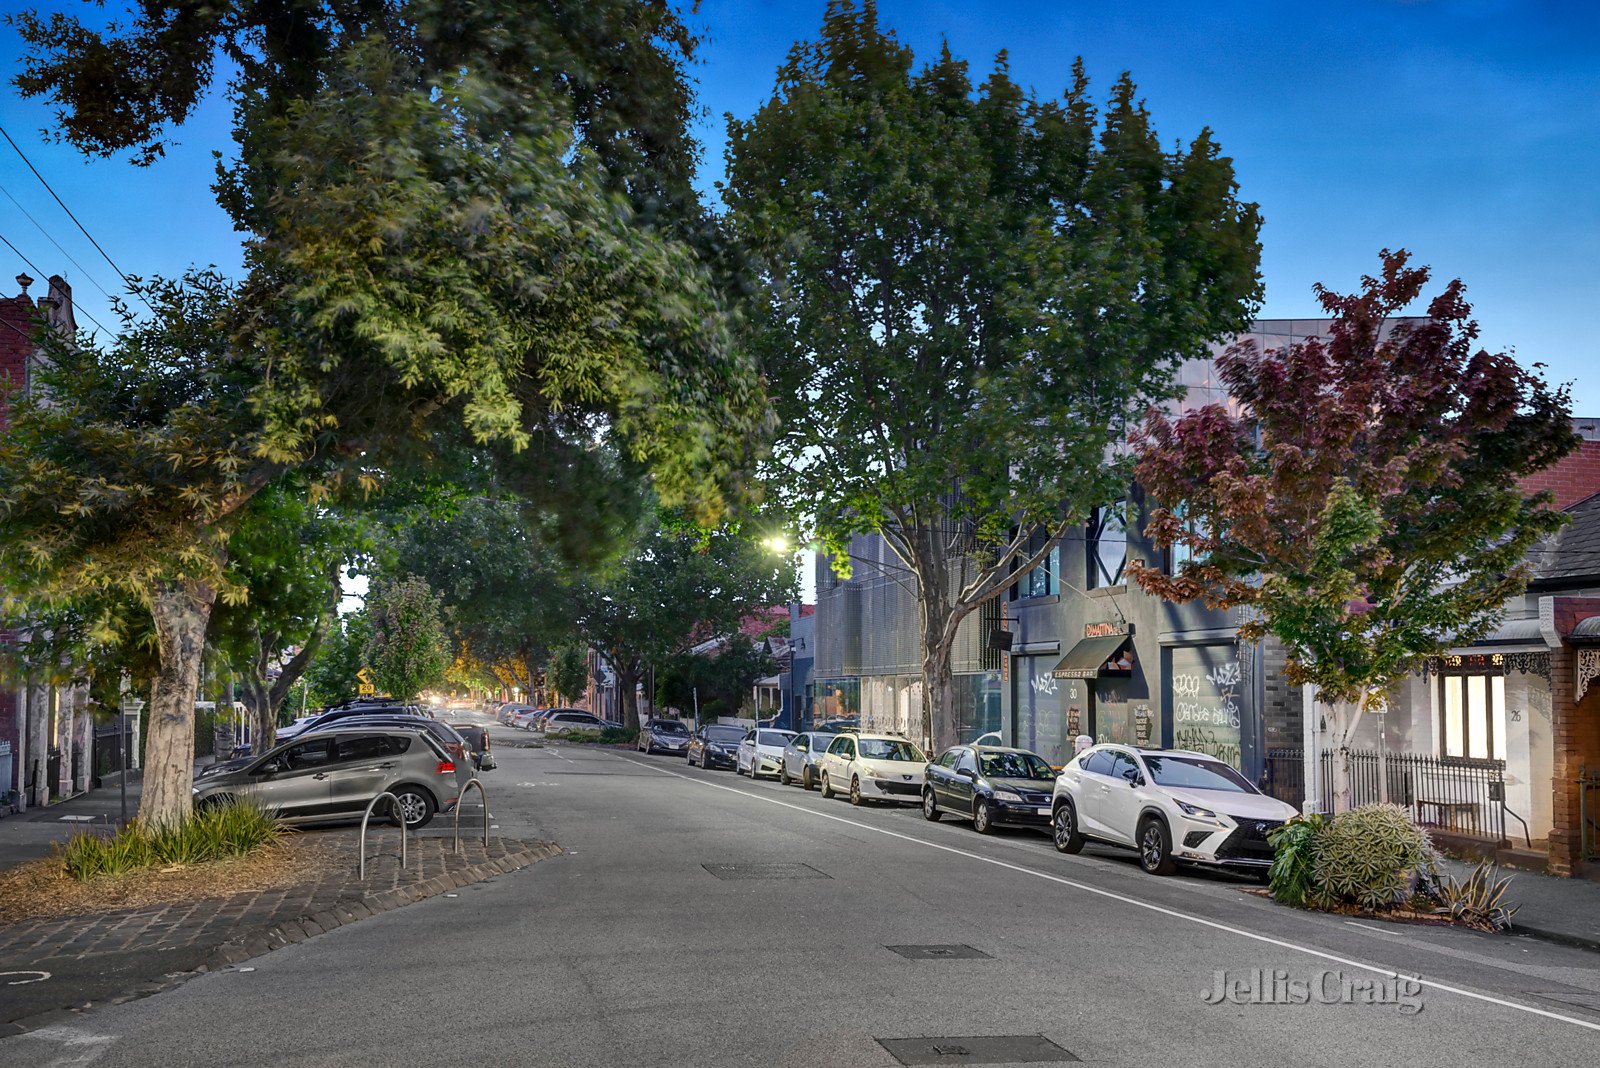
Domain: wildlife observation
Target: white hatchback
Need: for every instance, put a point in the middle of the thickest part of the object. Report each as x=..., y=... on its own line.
x=874, y=767
x=761, y=752
x=1169, y=805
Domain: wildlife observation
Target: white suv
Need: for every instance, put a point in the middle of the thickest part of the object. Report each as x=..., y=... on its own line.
x=1170, y=805
x=873, y=767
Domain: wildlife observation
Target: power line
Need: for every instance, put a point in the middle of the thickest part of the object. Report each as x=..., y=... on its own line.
x=56, y=243
x=40, y=271
x=74, y=218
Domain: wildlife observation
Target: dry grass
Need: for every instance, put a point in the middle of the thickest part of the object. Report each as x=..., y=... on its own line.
x=42, y=889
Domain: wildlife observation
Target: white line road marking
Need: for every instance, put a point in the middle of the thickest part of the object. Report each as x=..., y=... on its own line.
x=1136, y=903
x=79, y=1046
x=40, y=977
x=1366, y=927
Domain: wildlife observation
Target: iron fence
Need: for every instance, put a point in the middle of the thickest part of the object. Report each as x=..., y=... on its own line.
x=1451, y=794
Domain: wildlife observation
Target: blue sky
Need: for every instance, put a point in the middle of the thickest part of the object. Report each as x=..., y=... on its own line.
x=1468, y=132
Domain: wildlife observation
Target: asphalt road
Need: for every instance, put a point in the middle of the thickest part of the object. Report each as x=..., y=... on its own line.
x=628, y=950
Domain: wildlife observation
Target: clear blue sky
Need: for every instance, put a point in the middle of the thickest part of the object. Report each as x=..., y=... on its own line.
x=1465, y=130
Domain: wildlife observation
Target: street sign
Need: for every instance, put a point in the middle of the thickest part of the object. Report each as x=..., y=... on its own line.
x=366, y=684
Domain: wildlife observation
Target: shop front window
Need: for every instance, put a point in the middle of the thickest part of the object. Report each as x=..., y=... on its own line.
x=1473, y=714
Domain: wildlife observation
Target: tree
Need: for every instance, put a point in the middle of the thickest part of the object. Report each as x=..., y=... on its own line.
x=332, y=677
x=475, y=217
x=1364, y=504
x=569, y=672
x=408, y=649
x=972, y=290
x=680, y=586
x=724, y=675
x=288, y=554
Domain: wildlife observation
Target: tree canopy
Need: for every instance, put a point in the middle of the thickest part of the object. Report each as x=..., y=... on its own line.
x=973, y=289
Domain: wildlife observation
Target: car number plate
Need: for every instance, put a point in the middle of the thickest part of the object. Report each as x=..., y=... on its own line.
x=1042, y=811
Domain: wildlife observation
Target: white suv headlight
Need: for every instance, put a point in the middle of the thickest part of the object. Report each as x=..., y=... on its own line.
x=1195, y=810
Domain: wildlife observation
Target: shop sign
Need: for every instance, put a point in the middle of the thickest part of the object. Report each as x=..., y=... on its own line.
x=1107, y=630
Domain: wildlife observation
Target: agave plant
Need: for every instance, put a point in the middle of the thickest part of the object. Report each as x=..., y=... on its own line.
x=1480, y=901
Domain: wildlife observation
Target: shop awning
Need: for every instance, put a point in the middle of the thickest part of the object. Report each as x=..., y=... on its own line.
x=1084, y=660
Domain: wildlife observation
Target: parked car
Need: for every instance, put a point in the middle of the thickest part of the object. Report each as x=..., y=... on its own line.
x=760, y=752
x=665, y=735
x=335, y=774
x=801, y=758
x=446, y=735
x=570, y=721
x=839, y=726
x=510, y=710
x=476, y=735
x=716, y=745
x=991, y=785
x=873, y=767
x=1169, y=805
x=332, y=716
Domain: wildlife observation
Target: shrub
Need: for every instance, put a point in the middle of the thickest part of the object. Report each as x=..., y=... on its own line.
x=1294, y=858
x=1480, y=901
x=230, y=828
x=1371, y=856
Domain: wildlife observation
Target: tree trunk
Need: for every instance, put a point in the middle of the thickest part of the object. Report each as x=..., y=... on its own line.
x=628, y=685
x=181, y=612
x=938, y=639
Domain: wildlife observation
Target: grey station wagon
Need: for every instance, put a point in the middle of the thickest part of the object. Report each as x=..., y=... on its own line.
x=335, y=774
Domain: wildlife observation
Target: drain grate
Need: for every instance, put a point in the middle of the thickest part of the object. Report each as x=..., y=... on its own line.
x=939, y=952
x=977, y=1049
x=1578, y=999
x=789, y=870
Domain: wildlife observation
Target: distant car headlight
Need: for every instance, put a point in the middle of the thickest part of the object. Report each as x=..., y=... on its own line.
x=1007, y=795
x=1195, y=810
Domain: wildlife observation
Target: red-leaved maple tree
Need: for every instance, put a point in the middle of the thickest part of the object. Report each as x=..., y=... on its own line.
x=1363, y=504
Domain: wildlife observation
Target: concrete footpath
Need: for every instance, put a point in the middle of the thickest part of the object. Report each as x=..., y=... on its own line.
x=1554, y=910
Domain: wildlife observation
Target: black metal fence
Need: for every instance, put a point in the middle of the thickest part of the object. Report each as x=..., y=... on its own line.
x=105, y=750
x=1450, y=794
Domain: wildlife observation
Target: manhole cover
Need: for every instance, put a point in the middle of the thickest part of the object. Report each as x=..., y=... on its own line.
x=764, y=871
x=1578, y=999
x=977, y=1049
x=939, y=952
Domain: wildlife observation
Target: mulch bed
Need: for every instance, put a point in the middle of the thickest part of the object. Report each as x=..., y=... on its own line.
x=42, y=889
x=1400, y=915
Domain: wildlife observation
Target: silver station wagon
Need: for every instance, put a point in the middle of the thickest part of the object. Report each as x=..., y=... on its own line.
x=335, y=774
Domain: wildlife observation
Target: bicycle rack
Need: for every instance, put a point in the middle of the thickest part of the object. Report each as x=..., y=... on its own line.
x=400, y=817
x=474, y=781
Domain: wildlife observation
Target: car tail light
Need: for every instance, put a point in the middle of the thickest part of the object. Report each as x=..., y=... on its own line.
x=446, y=767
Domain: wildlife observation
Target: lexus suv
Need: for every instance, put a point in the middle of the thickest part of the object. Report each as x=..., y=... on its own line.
x=1169, y=805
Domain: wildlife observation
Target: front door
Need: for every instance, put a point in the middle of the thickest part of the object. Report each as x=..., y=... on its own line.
x=293, y=781
x=1122, y=798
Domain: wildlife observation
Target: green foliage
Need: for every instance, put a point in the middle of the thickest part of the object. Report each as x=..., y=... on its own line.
x=607, y=736
x=1384, y=525
x=569, y=671
x=1291, y=877
x=1372, y=857
x=724, y=676
x=408, y=649
x=972, y=290
x=332, y=674
x=231, y=828
x=1480, y=901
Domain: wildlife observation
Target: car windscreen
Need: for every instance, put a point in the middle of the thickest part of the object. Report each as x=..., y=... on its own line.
x=668, y=726
x=887, y=749
x=777, y=738
x=725, y=734
x=1191, y=773
x=1014, y=766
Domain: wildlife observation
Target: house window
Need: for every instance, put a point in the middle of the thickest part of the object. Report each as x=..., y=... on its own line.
x=1043, y=580
x=1180, y=552
x=1107, y=545
x=1473, y=712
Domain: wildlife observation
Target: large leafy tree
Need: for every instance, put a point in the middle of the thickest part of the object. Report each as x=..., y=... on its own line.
x=973, y=288
x=1363, y=505
x=408, y=647
x=474, y=217
x=678, y=587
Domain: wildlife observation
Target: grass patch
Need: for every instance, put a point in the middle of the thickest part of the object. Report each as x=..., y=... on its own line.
x=230, y=829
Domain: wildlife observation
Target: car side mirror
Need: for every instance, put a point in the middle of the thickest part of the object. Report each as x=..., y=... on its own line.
x=968, y=774
x=1136, y=780
x=269, y=769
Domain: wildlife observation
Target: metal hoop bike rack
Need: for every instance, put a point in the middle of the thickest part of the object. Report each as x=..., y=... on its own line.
x=400, y=817
x=474, y=781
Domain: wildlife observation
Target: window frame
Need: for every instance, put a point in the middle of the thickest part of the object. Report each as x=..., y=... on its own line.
x=1094, y=534
x=1494, y=717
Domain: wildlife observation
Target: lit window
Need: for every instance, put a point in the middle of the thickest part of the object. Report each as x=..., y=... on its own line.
x=1107, y=545
x=1474, y=710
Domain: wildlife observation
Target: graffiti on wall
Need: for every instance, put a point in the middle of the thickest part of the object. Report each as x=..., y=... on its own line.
x=1206, y=701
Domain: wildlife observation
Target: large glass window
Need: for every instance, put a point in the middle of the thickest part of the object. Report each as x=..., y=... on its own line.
x=1107, y=545
x=1473, y=709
